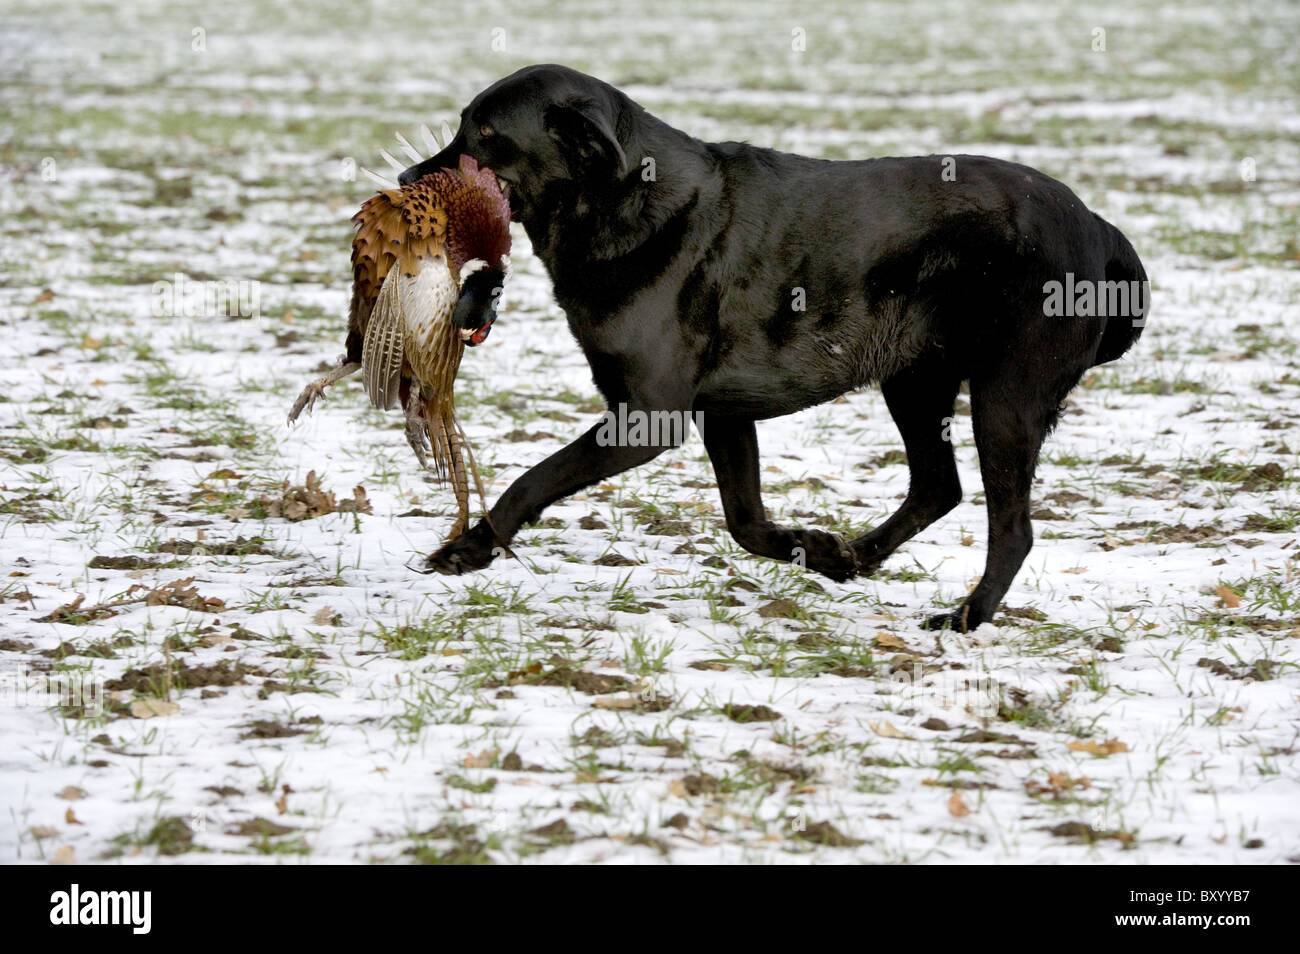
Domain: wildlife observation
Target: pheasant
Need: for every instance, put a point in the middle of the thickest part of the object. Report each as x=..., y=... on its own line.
x=428, y=260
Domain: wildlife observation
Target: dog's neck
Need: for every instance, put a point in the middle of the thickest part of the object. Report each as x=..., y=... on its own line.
x=582, y=222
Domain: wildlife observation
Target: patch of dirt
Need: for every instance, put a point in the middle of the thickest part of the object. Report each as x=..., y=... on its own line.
x=253, y=546
x=21, y=596
x=702, y=784
x=887, y=459
x=270, y=729
x=983, y=735
x=1261, y=670
x=1026, y=753
x=1264, y=477
x=1182, y=534
x=1067, y=497
x=1087, y=835
x=750, y=713
x=122, y=563
x=780, y=609
x=259, y=828
x=1023, y=612
x=274, y=685
x=662, y=526
x=824, y=833
x=773, y=772
x=1258, y=523
x=562, y=675
x=222, y=791
x=615, y=559
x=557, y=832
x=512, y=762
x=1157, y=532
x=149, y=680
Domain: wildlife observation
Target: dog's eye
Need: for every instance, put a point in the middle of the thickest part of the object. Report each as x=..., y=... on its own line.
x=486, y=131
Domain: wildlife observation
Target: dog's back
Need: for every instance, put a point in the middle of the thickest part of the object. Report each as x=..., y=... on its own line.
x=851, y=270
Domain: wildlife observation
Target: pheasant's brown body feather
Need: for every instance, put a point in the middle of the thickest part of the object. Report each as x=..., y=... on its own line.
x=407, y=255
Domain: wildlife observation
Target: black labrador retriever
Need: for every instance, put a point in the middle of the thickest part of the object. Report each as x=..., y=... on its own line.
x=729, y=283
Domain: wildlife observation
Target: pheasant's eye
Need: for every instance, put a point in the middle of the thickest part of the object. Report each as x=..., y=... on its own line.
x=486, y=131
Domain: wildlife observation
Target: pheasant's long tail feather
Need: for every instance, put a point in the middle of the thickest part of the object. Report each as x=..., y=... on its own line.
x=384, y=347
x=473, y=471
x=453, y=460
x=456, y=445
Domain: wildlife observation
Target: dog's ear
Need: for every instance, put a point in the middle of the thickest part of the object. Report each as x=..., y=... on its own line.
x=586, y=130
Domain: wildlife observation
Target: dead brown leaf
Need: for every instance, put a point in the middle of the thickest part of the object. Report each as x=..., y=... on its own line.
x=1227, y=597
x=150, y=708
x=890, y=641
x=484, y=759
x=66, y=855
x=1099, y=749
x=888, y=730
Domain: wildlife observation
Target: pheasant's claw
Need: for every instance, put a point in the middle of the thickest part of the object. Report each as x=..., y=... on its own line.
x=307, y=399
x=417, y=435
x=419, y=441
x=417, y=428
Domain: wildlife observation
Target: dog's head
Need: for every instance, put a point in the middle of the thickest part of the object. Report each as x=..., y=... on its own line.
x=547, y=131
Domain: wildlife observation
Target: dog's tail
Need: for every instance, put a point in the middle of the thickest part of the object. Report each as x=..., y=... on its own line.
x=1123, y=329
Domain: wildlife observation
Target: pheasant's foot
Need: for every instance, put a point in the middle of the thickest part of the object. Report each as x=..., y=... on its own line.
x=307, y=399
x=417, y=429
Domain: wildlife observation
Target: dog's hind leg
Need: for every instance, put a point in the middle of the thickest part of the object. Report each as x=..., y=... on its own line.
x=1012, y=415
x=733, y=448
x=920, y=399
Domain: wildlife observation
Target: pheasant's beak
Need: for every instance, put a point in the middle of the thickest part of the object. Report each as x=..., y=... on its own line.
x=475, y=337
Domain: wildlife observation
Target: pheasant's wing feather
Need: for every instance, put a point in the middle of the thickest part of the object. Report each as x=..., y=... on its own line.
x=385, y=344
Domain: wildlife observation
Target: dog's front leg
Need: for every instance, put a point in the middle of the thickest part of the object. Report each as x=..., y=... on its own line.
x=733, y=448
x=602, y=452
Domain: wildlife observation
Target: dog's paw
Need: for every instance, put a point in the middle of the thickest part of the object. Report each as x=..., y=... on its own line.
x=830, y=555
x=472, y=550
x=958, y=622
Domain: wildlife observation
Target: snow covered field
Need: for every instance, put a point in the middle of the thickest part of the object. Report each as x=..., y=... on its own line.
x=637, y=689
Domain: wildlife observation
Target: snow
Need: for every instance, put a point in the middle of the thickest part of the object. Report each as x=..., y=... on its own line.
x=226, y=166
